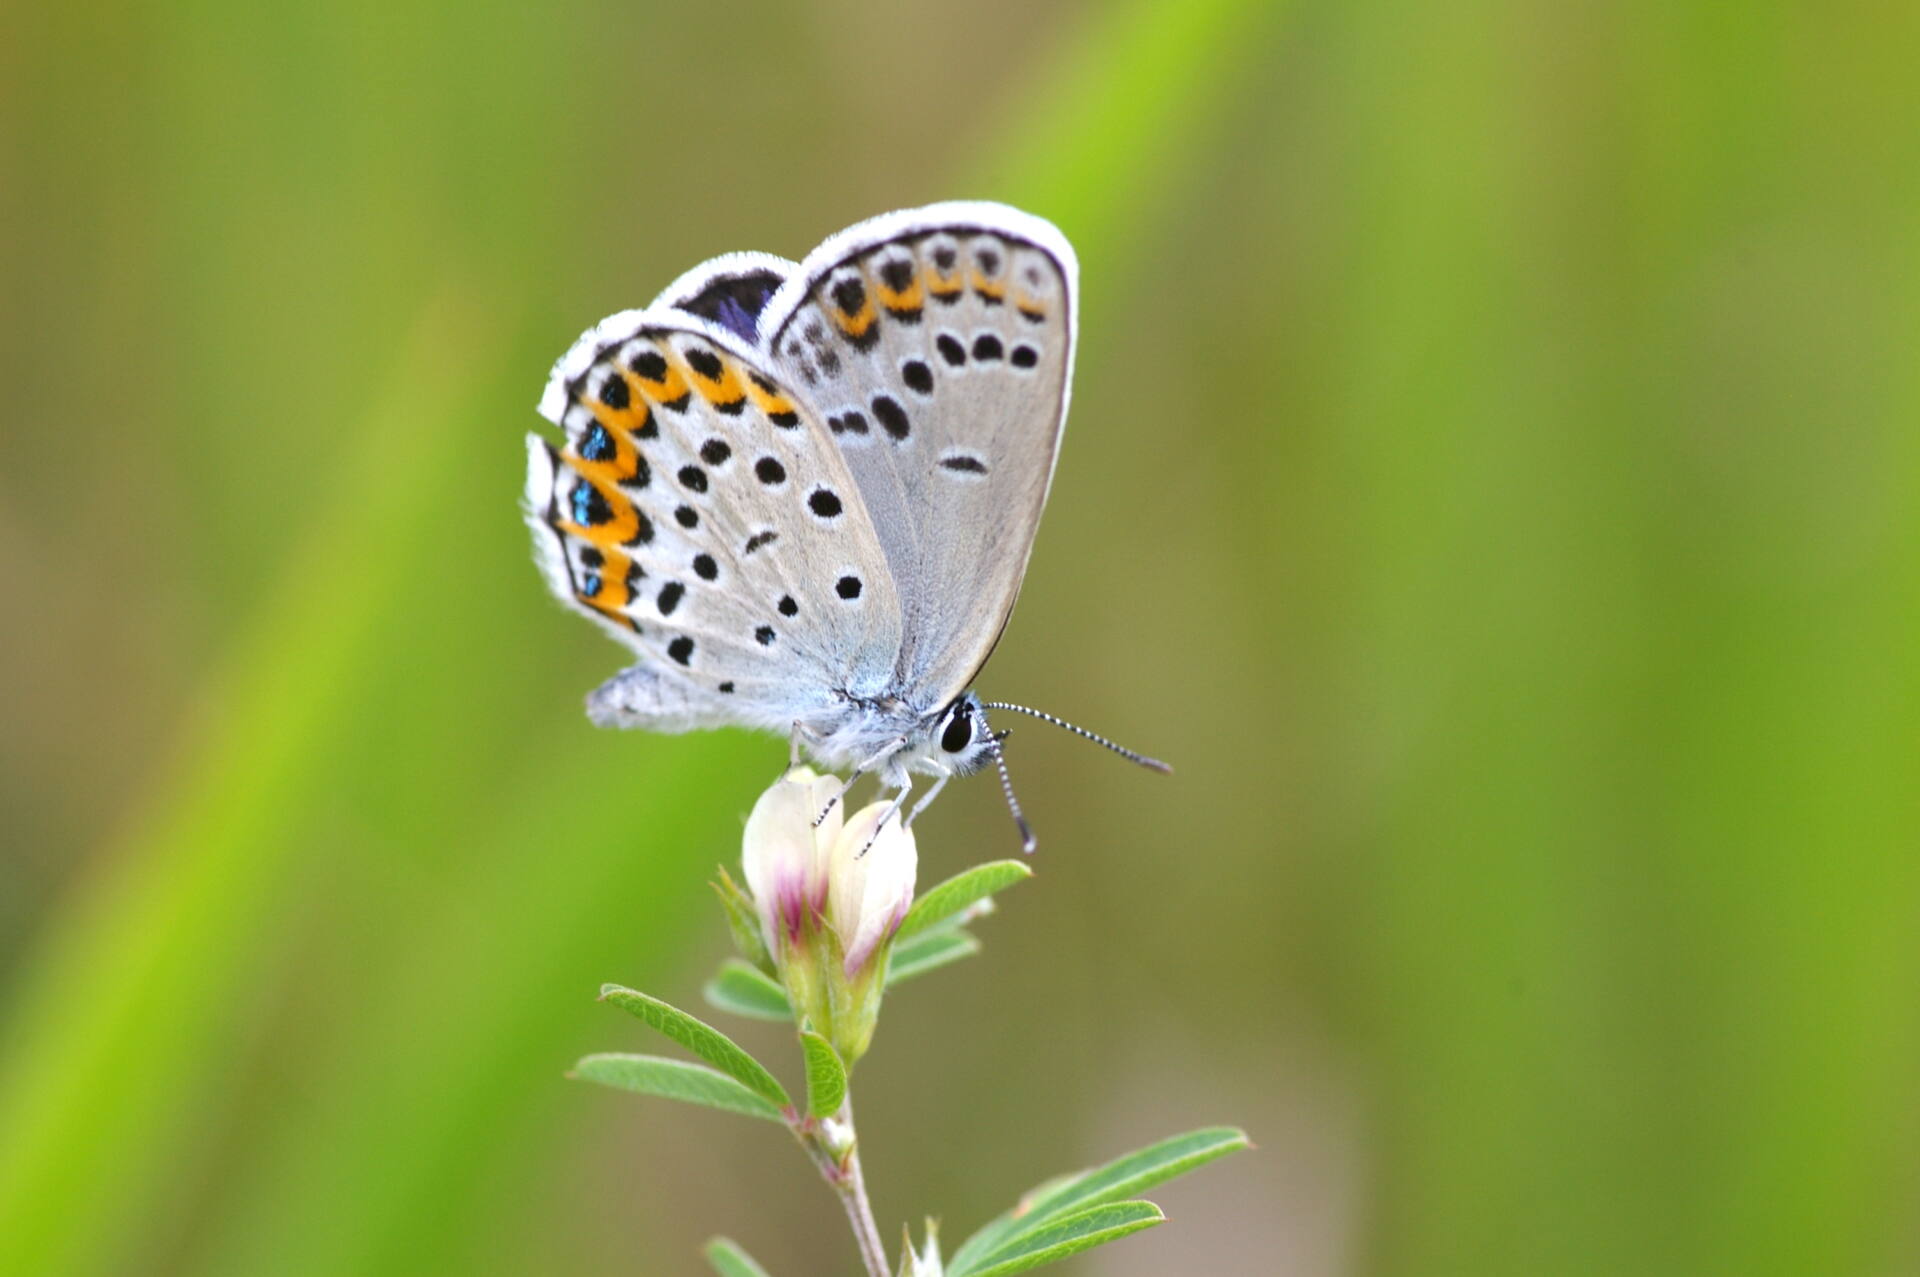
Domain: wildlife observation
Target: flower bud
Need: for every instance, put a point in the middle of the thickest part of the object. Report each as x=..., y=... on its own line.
x=869, y=889
x=829, y=900
x=785, y=857
x=870, y=883
x=837, y=1136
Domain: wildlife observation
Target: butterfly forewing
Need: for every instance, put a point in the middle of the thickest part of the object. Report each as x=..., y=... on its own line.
x=937, y=346
x=699, y=510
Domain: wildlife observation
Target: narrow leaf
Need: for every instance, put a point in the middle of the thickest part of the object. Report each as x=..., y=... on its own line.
x=940, y=903
x=744, y=990
x=826, y=1075
x=1068, y=1235
x=1122, y=1177
x=674, y=1080
x=730, y=1261
x=701, y=1038
x=925, y=952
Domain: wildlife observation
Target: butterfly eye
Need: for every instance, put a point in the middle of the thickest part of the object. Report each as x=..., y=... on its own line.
x=959, y=733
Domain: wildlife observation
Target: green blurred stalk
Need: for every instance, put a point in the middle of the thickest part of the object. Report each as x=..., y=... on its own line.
x=130, y=1004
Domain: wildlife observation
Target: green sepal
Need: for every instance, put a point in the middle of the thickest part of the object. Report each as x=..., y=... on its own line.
x=680, y=1080
x=701, y=1038
x=743, y=920
x=924, y=1262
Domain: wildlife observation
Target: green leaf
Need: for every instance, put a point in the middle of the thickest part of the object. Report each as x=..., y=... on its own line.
x=1067, y=1235
x=743, y=921
x=1122, y=1177
x=675, y=1080
x=826, y=1075
x=744, y=990
x=929, y=950
x=940, y=903
x=729, y=1260
x=701, y=1038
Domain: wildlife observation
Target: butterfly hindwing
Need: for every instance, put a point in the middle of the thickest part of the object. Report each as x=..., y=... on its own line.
x=699, y=511
x=730, y=290
x=937, y=345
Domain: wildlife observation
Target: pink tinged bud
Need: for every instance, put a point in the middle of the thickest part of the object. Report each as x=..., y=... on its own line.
x=785, y=857
x=869, y=894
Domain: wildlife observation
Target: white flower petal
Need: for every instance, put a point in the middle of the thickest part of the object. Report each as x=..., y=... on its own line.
x=868, y=895
x=784, y=857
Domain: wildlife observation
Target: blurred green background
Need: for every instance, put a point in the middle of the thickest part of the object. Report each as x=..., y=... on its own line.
x=1492, y=480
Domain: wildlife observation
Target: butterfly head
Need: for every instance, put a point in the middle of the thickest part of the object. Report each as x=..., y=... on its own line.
x=961, y=739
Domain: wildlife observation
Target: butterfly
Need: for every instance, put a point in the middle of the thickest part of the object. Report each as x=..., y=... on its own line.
x=804, y=494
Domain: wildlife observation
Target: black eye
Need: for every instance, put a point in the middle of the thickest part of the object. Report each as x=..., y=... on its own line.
x=959, y=733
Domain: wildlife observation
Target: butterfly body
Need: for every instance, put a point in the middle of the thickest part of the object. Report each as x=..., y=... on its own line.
x=804, y=494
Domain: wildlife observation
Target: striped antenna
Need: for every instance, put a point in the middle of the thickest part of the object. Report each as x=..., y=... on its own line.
x=1027, y=841
x=1153, y=763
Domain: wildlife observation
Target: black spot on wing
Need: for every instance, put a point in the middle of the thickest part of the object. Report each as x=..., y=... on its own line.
x=849, y=294
x=891, y=416
x=898, y=274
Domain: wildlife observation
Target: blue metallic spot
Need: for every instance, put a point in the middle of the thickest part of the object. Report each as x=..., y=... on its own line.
x=590, y=584
x=596, y=444
x=736, y=318
x=582, y=502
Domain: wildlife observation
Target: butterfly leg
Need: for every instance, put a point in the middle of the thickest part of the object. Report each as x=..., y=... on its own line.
x=931, y=794
x=801, y=735
x=893, y=809
x=885, y=752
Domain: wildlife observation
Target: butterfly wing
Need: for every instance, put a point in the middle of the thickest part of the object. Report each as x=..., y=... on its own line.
x=730, y=290
x=700, y=512
x=937, y=344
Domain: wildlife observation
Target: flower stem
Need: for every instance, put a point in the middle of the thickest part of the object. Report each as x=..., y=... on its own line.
x=842, y=1173
x=853, y=1195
